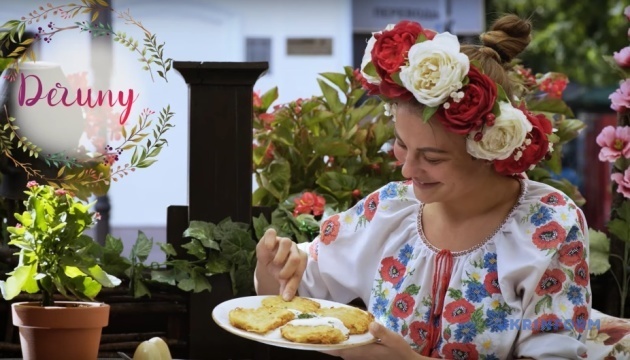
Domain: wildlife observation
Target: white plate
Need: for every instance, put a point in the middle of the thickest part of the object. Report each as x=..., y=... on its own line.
x=220, y=316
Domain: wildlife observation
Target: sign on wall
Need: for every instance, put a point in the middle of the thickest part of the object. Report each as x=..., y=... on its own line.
x=461, y=17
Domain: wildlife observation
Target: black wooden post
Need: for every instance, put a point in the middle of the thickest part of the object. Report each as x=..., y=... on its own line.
x=219, y=180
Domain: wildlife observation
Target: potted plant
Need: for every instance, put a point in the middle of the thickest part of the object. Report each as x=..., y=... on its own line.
x=57, y=260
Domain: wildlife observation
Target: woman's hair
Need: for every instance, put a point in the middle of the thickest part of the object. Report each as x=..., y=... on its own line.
x=508, y=36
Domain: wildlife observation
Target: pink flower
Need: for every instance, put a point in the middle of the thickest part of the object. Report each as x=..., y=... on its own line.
x=626, y=12
x=621, y=97
x=97, y=215
x=623, y=182
x=32, y=184
x=615, y=142
x=60, y=192
x=622, y=58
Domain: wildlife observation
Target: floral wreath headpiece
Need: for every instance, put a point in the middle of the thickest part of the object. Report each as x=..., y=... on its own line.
x=406, y=61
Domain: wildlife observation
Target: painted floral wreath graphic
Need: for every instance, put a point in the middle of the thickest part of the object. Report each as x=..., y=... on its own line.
x=144, y=139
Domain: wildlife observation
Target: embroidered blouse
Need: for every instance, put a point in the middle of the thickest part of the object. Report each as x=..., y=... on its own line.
x=523, y=292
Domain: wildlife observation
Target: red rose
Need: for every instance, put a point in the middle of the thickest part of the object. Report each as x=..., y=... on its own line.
x=390, y=53
x=551, y=282
x=371, y=88
x=534, y=152
x=403, y=305
x=469, y=113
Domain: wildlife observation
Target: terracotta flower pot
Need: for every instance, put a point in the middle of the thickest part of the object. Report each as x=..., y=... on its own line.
x=69, y=330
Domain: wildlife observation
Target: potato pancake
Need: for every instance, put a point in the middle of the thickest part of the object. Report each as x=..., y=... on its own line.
x=260, y=320
x=355, y=319
x=297, y=303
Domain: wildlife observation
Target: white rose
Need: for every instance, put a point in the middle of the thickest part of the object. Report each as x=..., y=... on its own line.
x=501, y=139
x=436, y=69
x=367, y=57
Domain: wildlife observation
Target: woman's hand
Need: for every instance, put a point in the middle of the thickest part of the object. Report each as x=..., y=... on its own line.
x=390, y=345
x=280, y=265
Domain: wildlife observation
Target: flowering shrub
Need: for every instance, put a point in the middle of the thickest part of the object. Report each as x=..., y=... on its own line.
x=55, y=254
x=320, y=154
x=615, y=149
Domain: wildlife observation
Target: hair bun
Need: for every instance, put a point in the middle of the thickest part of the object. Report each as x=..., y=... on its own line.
x=509, y=35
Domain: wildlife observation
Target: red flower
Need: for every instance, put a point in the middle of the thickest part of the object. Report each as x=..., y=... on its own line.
x=460, y=351
x=554, y=199
x=330, y=229
x=309, y=202
x=458, y=311
x=547, y=323
x=580, y=317
x=403, y=305
x=549, y=236
x=371, y=88
x=469, y=113
x=491, y=283
x=535, y=151
x=419, y=332
x=390, y=53
x=581, y=273
x=554, y=84
x=551, y=282
x=371, y=204
x=392, y=270
x=571, y=253
x=257, y=100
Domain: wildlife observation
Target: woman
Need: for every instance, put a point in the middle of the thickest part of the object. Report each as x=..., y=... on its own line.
x=467, y=259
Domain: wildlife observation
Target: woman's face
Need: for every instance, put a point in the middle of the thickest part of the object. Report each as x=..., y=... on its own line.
x=435, y=159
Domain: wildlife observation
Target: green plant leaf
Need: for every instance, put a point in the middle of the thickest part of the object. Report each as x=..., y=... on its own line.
x=142, y=247
x=167, y=248
x=551, y=105
x=21, y=279
x=164, y=276
x=268, y=98
x=239, y=247
x=260, y=225
x=332, y=97
x=217, y=263
x=204, y=232
x=277, y=178
x=338, y=79
x=195, y=248
x=428, y=112
x=599, y=252
x=620, y=229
